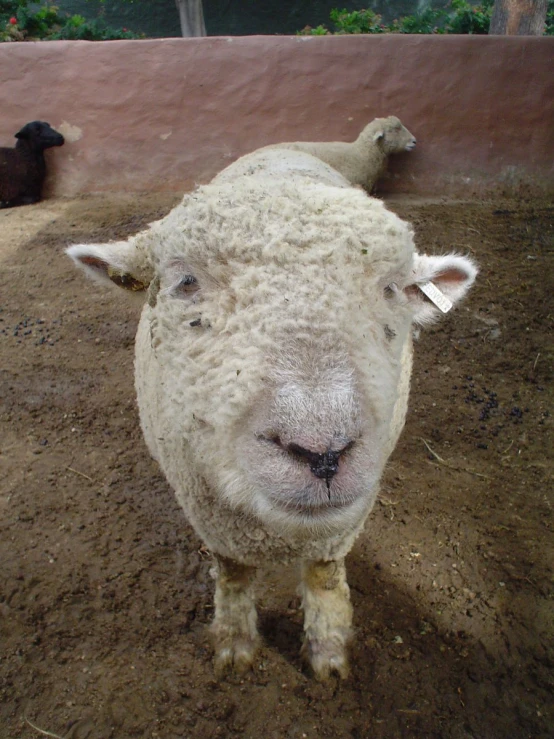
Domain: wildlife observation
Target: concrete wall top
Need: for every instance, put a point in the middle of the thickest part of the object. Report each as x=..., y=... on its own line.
x=166, y=114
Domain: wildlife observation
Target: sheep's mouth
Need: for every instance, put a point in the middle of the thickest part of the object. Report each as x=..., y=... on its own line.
x=54, y=141
x=410, y=146
x=312, y=510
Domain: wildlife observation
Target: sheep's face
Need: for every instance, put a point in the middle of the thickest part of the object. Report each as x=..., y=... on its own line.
x=392, y=136
x=40, y=135
x=277, y=328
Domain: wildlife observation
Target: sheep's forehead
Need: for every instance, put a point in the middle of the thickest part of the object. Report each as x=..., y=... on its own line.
x=234, y=225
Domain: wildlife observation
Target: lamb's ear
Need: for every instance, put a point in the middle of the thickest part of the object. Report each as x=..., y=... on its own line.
x=117, y=263
x=23, y=133
x=437, y=284
x=378, y=135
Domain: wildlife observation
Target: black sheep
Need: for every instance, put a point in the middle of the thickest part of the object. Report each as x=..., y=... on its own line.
x=22, y=169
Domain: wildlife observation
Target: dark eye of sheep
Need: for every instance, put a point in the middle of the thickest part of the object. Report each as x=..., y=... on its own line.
x=186, y=287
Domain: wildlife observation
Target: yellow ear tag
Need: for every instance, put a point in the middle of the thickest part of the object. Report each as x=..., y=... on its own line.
x=125, y=280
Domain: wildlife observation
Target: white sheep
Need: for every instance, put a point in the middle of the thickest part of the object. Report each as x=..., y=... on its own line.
x=273, y=359
x=364, y=160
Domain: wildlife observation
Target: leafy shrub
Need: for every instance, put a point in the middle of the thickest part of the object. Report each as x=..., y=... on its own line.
x=317, y=31
x=470, y=18
x=357, y=21
x=460, y=17
x=21, y=20
x=77, y=28
x=428, y=21
x=549, y=30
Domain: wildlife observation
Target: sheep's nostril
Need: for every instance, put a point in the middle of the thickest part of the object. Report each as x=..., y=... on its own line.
x=325, y=465
x=271, y=438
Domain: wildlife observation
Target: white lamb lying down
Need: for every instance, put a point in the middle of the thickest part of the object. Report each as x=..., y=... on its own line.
x=363, y=161
x=273, y=359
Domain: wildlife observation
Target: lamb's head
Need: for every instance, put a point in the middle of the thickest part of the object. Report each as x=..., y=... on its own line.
x=276, y=333
x=39, y=135
x=389, y=134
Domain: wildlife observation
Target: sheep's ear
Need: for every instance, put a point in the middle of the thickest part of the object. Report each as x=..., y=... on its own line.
x=23, y=133
x=117, y=263
x=437, y=284
x=378, y=135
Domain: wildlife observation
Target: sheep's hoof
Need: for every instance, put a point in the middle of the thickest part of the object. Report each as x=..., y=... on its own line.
x=235, y=655
x=326, y=658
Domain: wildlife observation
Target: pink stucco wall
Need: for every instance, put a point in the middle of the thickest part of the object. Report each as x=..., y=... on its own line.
x=165, y=114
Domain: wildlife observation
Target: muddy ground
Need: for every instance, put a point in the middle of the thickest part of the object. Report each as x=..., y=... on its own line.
x=105, y=591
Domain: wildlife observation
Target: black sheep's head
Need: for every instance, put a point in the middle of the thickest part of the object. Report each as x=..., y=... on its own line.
x=40, y=135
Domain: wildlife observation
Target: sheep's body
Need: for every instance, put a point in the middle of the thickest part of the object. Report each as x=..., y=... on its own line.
x=250, y=182
x=272, y=372
x=272, y=161
x=363, y=161
x=23, y=168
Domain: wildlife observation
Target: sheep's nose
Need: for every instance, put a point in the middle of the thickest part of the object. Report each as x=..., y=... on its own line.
x=325, y=465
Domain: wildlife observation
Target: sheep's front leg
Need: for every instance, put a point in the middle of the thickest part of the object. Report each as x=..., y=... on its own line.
x=327, y=617
x=234, y=626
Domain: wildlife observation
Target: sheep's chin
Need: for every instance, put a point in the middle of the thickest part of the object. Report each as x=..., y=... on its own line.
x=315, y=521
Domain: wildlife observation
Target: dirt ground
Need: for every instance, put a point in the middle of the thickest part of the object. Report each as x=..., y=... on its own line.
x=105, y=591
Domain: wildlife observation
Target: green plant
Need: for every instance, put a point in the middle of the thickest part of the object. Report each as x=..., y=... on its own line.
x=468, y=18
x=549, y=30
x=357, y=21
x=38, y=23
x=459, y=17
x=21, y=20
x=317, y=31
x=428, y=21
x=77, y=28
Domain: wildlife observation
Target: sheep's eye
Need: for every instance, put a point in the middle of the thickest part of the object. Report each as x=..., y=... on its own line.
x=186, y=287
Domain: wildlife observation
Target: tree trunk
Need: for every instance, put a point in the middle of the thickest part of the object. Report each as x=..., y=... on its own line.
x=518, y=17
x=191, y=15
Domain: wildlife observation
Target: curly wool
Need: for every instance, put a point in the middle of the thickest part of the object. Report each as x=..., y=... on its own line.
x=275, y=342
x=250, y=241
